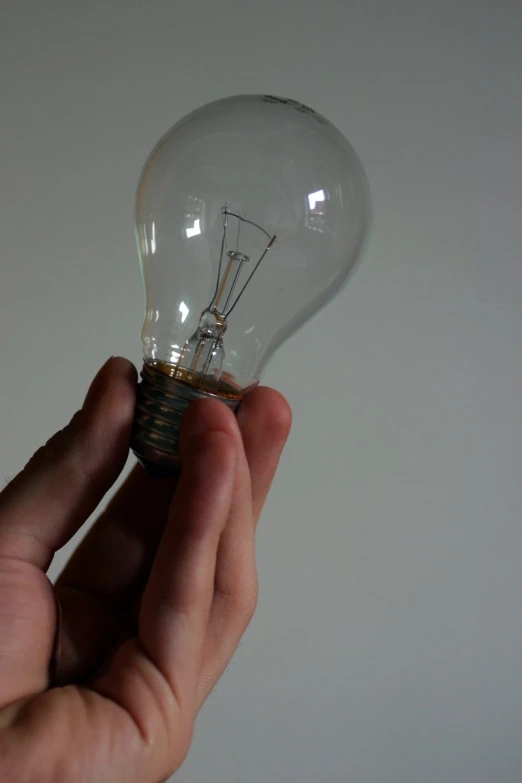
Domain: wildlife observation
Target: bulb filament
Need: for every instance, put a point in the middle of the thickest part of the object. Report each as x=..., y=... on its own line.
x=201, y=360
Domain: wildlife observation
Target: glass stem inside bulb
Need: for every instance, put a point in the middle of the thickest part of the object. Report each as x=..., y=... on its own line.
x=228, y=281
x=201, y=360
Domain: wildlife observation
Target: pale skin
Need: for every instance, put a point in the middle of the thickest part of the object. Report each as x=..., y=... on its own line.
x=153, y=602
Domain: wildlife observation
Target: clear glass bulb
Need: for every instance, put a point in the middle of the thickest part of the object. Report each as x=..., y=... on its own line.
x=250, y=213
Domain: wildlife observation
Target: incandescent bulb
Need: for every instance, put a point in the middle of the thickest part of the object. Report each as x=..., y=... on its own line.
x=250, y=213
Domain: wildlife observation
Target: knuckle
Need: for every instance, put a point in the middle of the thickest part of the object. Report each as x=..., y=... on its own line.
x=59, y=446
x=242, y=603
x=69, y=449
x=251, y=604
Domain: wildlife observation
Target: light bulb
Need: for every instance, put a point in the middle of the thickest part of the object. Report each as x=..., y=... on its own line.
x=250, y=213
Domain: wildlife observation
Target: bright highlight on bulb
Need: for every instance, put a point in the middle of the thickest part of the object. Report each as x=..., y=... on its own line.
x=250, y=213
x=313, y=198
x=184, y=311
x=195, y=230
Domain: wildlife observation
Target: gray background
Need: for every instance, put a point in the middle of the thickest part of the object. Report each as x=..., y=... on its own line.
x=387, y=647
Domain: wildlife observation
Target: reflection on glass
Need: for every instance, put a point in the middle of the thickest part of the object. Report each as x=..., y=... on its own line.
x=184, y=311
x=194, y=230
x=313, y=198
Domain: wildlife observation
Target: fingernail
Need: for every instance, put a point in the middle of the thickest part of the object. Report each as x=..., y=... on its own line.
x=97, y=386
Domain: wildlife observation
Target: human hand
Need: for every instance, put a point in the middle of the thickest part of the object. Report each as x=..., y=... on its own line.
x=153, y=602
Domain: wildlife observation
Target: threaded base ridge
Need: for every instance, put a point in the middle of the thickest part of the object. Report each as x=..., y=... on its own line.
x=160, y=406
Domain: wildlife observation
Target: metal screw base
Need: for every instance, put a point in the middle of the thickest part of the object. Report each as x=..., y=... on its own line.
x=160, y=406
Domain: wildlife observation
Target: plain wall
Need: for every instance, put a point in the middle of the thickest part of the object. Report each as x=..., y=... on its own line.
x=387, y=647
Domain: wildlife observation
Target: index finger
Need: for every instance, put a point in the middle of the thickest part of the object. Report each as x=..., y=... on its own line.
x=65, y=480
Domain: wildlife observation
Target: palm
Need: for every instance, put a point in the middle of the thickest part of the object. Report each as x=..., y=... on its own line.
x=93, y=609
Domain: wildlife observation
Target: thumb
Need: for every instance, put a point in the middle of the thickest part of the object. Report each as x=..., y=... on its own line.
x=66, y=479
